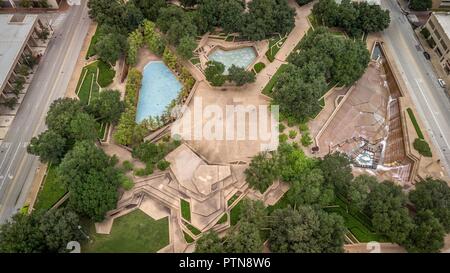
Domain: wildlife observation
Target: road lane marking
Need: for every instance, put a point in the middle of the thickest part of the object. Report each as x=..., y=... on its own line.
x=4, y=158
x=432, y=113
x=9, y=167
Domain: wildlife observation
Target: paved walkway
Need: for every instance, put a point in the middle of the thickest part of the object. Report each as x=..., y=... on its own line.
x=225, y=151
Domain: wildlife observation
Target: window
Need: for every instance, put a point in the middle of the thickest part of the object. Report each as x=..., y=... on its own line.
x=437, y=34
x=438, y=51
x=444, y=46
x=431, y=24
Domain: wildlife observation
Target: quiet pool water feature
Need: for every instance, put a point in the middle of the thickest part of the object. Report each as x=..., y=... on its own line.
x=241, y=57
x=159, y=88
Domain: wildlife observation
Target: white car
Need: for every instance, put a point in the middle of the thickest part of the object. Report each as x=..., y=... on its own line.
x=441, y=83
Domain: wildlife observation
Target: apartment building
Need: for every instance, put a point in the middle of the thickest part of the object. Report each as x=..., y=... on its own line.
x=439, y=40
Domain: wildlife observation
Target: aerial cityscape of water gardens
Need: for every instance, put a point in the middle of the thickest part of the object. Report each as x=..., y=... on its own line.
x=352, y=163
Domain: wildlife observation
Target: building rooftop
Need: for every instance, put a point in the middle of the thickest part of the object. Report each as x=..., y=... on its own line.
x=444, y=20
x=14, y=33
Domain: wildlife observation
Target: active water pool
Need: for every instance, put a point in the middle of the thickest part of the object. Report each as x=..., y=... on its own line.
x=241, y=57
x=159, y=88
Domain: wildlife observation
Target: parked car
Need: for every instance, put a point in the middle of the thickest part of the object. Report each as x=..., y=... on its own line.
x=441, y=83
x=426, y=55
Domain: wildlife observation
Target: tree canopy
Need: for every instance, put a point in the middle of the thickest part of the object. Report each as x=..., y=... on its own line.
x=89, y=175
x=427, y=235
x=262, y=171
x=305, y=230
x=39, y=232
x=209, y=243
x=214, y=73
x=434, y=195
x=240, y=76
x=356, y=18
x=107, y=106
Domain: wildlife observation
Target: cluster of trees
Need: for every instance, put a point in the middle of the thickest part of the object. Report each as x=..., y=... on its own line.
x=84, y=169
x=117, y=19
x=128, y=131
x=420, y=5
x=151, y=154
x=316, y=183
x=298, y=230
x=247, y=237
x=356, y=18
x=263, y=17
x=214, y=73
x=40, y=232
x=323, y=58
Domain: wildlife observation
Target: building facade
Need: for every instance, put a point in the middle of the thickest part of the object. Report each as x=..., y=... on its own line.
x=19, y=38
x=441, y=4
x=439, y=27
x=16, y=3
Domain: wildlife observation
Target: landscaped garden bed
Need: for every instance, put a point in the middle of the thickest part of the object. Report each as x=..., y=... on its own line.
x=51, y=192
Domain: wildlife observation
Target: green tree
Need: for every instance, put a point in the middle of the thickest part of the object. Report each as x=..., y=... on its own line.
x=110, y=46
x=90, y=176
x=214, y=73
x=434, y=195
x=266, y=17
x=297, y=92
x=386, y=206
x=262, y=171
x=427, y=235
x=246, y=239
x=311, y=189
x=253, y=212
x=337, y=171
x=209, y=243
x=420, y=4
x=60, y=115
x=293, y=164
x=186, y=47
x=305, y=230
x=359, y=188
x=240, y=76
x=107, y=106
x=83, y=127
x=39, y=232
x=49, y=146
x=150, y=9
x=135, y=42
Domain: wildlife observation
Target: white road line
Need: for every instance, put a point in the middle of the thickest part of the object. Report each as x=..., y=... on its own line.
x=432, y=113
x=4, y=158
x=9, y=167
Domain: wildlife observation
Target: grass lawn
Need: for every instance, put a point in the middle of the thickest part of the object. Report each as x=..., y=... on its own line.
x=89, y=84
x=268, y=88
x=193, y=229
x=105, y=74
x=235, y=213
x=91, y=50
x=223, y=219
x=275, y=43
x=232, y=199
x=415, y=123
x=134, y=232
x=51, y=191
x=195, y=60
x=188, y=238
x=185, y=210
x=102, y=130
x=259, y=66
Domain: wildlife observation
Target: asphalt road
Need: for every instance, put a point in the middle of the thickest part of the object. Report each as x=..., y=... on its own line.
x=17, y=167
x=430, y=99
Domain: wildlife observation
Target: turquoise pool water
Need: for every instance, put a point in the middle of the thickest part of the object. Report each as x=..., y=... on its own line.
x=159, y=88
x=241, y=57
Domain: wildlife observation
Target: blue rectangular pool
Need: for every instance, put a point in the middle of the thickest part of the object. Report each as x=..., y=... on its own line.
x=240, y=57
x=159, y=88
